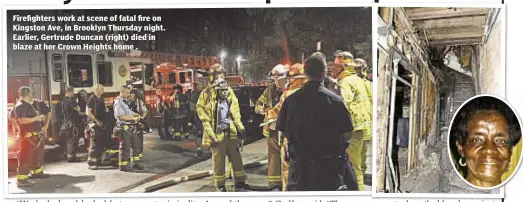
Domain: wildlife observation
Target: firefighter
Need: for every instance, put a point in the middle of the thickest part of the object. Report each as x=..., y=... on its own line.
x=367, y=138
x=296, y=79
x=70, y=130
x=269, y=98
x=125, y=129
x=32, y=117
x=217, y=71
x=196, y=122
x=97, y=114
x=219, y=111
x=180, y=110
x=317, y=127
x=163, y=114
x=138, y=106
x=82, y=119
x=355, y=96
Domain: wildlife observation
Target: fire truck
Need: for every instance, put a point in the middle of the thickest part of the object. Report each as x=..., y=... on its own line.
x=48, y=72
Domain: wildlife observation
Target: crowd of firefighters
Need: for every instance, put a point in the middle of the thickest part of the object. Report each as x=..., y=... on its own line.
x=212, y=112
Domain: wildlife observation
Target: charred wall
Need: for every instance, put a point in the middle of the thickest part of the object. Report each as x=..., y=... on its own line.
x=491, y=73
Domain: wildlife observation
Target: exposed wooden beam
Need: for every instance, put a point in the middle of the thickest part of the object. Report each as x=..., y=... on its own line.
x=435, y=13
x=453, y=33
x=468, y=21
x=455, y=42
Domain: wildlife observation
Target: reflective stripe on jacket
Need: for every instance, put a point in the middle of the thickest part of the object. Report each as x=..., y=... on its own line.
x=206, y=108
x=357, y=100
x=265, y=100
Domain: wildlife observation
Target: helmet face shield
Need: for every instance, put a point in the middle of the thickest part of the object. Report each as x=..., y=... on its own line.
x=222, y=93
x=280, y=82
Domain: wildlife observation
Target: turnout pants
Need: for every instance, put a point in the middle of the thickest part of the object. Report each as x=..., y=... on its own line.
x=355, y=152
x=284, y=166
x=71, y=132
x=227, y=148
x=180, y=126
x=97, y=145
x=315, y=175
x=275, y=161
x=128, y=146
x=139, y=135
x=166, y=123
x=30, y=156
x=367, y=150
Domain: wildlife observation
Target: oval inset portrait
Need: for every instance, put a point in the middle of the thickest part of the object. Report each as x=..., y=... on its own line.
x=484, y=141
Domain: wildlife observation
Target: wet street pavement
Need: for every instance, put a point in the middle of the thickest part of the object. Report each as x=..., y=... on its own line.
x=171, y=167
x=161, y=158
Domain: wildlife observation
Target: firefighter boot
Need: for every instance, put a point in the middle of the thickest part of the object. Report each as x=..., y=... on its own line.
x=199, y=152
x=222, y=189
x=242, y=186
x=24, y=183
x=38, y=173
x=177, y=136
x=72, y=159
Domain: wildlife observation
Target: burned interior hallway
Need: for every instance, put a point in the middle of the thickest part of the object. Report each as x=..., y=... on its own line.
x=430, y=61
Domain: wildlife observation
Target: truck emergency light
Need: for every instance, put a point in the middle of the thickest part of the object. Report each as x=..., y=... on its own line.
x=10, y=142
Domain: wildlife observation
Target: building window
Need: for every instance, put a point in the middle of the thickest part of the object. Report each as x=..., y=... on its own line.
x=80, y=70
x=105, y=73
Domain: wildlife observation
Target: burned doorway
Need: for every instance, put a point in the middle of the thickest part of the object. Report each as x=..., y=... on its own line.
x=402, y=110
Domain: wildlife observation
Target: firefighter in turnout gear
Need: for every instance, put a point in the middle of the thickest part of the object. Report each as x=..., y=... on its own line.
x=97, y=114
x=125, y=130
x=367, y=137
x=296, y=79
x=179, y=110
x=138, y=106
x=356, y=97
x=32, y=118
x=219, y=111
x=269, y=98
x=196, y=122
x=70, y=131
x=217, y=71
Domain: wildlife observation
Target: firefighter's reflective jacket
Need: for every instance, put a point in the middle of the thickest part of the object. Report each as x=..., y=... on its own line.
x=272, y=114
x=368, y=85
x=267, y=100
x=179, y=105
x=354, y=93
x=207, y=111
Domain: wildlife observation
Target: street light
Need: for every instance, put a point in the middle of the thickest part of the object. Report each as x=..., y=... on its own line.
x=238, y=59
x=223, y=55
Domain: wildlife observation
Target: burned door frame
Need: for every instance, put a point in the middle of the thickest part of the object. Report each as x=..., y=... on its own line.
x=399, y=58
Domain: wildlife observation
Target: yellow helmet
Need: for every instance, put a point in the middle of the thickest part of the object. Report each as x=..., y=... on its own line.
x=215, y=70
x=296, y=71
x=346, y=59
x=360, y=63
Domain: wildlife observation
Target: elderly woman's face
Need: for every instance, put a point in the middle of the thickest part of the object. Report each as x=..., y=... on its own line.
x=487, y=148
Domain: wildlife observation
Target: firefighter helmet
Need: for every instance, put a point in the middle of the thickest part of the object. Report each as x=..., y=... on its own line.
x=216, y=70
x=296, y=71
x=279, y=71
x=346, y=59
x=220, y=84
x=360, y=63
